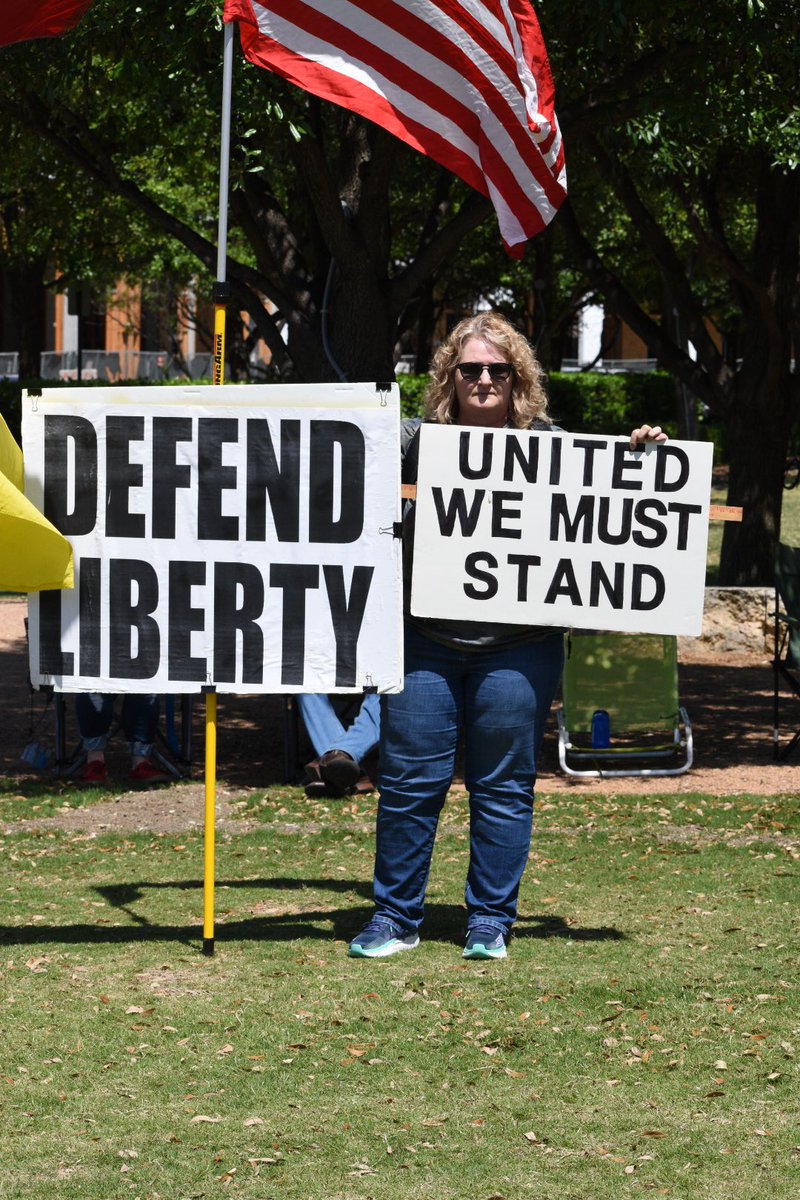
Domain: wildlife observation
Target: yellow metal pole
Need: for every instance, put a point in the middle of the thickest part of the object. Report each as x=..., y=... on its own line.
x=218, y=377
x=221, y=293
x=210, y=815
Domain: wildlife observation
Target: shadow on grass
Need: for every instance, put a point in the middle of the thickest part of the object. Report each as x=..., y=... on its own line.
x=550, y=926
x=443, y=922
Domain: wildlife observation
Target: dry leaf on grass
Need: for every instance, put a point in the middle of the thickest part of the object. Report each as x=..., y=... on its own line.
x=360, y=1169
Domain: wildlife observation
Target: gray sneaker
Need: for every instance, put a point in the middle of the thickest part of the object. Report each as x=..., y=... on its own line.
x=380, y=938
x=485, y=941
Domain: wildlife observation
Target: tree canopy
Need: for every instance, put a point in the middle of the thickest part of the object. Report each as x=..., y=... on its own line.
x=684, y=137
x=684, y=211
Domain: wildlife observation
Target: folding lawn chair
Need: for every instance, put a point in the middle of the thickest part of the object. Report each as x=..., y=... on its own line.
x=786, y=659
x=620, y=711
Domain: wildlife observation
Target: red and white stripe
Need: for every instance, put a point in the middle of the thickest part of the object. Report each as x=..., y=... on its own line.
x=27, y=20
x=466, y=82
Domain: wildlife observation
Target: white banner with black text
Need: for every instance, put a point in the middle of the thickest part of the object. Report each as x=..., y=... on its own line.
x=240, y=538
x=548, y=528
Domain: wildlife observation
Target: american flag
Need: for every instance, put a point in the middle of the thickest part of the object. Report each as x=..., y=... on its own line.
x=466, y=82
x=23, y=22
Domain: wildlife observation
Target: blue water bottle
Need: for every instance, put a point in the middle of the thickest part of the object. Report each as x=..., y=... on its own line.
x=601, y=729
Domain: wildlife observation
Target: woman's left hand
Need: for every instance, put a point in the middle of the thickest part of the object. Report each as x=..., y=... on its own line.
x=647, y=433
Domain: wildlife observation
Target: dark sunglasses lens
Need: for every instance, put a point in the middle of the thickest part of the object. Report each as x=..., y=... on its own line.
x=470, y=371
x=498, y=372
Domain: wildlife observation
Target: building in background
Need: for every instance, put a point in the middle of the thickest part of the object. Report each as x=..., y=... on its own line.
x=600, y=341
x=127, y=337
x=133, y=335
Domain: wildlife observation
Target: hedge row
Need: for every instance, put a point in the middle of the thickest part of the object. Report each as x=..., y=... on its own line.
x=580, y=403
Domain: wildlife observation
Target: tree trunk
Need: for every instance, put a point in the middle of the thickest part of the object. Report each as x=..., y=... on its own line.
x=685, y=402
x=765, y=391
x=27, y=316
x=361, y=329
x=758, y=432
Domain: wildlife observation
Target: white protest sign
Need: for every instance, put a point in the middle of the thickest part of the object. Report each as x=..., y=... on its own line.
x=547, y=528
x=235, y=538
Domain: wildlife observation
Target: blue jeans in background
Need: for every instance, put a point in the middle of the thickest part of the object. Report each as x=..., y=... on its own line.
x=327, y=732
x=501, y=699
x=95, y=712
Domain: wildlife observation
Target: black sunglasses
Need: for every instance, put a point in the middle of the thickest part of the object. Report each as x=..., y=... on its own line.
x=499, y=372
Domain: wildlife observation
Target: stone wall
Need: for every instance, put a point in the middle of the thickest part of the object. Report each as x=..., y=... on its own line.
x=736, y=620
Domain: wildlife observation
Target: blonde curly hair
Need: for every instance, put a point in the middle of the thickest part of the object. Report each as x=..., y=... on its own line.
x=528, y=401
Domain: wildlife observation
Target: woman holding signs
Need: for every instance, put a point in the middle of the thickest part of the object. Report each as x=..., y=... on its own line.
x=495, y=682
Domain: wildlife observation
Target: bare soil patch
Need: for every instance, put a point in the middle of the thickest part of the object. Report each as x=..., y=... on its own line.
x=728, y=698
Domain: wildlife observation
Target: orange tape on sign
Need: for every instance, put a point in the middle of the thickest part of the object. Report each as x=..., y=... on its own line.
x=724, y=512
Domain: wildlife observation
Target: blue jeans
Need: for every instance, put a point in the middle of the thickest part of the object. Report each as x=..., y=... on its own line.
x=328, y=733
x=95, y=712
x=501, y=699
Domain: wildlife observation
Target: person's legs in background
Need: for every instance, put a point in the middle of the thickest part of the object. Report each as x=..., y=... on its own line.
x=337, y=769
x=321, y=721
x=362, y=736
x=139, y=723
x=94, y=713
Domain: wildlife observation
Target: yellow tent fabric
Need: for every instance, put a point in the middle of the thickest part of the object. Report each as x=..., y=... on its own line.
x=34, y=557
x=10, y=457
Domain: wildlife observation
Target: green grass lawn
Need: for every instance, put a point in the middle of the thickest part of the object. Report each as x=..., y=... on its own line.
x=640, y=1039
